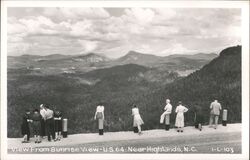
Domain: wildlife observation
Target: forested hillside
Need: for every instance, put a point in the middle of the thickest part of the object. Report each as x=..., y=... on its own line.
x=118, y=87
x=77, y=95
x=220, y=79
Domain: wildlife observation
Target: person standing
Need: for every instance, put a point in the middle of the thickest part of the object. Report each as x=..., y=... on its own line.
x=99, y=115
x=166, y=114
x=198, y=117
x=42, y=113
x=37, y=118
x=49, y=123
x=215, y=108
x=179, y=121
x=26, y=127
x=137, y=118
x=58, y=124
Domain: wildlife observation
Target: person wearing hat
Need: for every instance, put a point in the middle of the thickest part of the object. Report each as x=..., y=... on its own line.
x=26, y=127
x=42, y=113
x=179, y=121
x=37, y=118
x=137, y=120
x=166, y=114
x=215, y=108
x=99, y=115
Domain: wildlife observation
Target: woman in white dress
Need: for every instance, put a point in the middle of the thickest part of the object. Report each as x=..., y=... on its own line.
x=99, y=115
x=137, y=118
x=179, y=121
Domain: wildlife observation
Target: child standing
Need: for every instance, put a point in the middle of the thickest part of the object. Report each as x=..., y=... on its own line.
x=58, y=124
x=36, y=117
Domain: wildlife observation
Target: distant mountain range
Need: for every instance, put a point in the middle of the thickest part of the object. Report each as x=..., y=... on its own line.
x=56, y=63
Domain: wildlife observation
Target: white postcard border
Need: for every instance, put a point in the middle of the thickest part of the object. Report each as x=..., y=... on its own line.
x=244, y=5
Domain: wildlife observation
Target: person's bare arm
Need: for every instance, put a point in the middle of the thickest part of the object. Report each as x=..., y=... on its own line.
x=211, y=105
x=95, y=115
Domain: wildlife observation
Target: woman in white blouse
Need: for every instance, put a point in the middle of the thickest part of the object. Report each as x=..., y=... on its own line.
x=179, y=122
x=137, y=118
x=99, y=115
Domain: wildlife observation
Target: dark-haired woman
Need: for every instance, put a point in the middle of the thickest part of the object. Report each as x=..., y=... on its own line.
x=137, y=118
x=99, y=115
x=198, y=117
x=26, y=127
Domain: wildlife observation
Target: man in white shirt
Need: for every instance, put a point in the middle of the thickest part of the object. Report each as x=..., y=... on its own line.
x=166, y=115
x=49, y=123
x=215, y=108
x=42, y=112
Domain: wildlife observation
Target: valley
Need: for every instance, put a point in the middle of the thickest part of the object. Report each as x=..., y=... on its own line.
x=75, y=85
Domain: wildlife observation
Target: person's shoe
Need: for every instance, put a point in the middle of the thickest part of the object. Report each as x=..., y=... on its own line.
x=39, y=141
x=35, y=141
x=55, y=140
x=178, y=131
x=140, y=133
x=181, y=131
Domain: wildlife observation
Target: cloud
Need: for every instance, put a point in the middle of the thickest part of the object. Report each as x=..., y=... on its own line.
x=88, y=46
x=20, y=48
x=160, y=31
x=73, y=14
x=81, y=28
x=39, y=25
x=177, y=48
x=139, y=15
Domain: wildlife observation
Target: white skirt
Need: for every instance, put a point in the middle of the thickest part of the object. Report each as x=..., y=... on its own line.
x=137, y=120
x=179, y=121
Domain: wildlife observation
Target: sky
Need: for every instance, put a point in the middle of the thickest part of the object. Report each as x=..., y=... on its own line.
x=114, y=32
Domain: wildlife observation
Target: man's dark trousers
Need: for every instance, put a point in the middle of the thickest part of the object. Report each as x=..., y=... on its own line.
x=50, y=127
